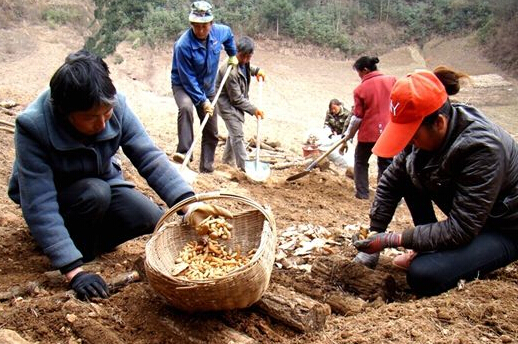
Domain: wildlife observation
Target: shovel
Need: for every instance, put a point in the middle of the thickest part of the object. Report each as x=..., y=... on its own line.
x=257, y=170
x=316, y=161
x=190, y=175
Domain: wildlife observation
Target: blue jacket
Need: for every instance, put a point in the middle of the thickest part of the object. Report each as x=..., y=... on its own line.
x=48, y=159
x=195, y=65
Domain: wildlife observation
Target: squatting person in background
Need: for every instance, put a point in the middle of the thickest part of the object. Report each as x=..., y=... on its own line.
x=68, y=182
x=337, y=117
x=453, y=156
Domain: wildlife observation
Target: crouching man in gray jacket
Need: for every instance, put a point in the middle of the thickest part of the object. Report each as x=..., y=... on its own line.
x=233, y=101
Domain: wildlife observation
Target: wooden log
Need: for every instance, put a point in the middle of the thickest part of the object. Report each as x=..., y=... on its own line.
x=344, y=304
x=294, y=309
x=7, y=111
x=92, y=331
x=7, y=123
x=115, y=283
x=273, y=144
x=341, y=302
x=11, y=337
x=265, y=146
x=9, y=130
x=368, y=284
x=263, y=158
x=284, y=165
x=188, y=329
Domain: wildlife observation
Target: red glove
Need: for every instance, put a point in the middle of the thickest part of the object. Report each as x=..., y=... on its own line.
x=378, y=242
x=259, y=114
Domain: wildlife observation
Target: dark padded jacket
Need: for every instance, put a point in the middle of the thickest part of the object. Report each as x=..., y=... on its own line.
x=472, y=178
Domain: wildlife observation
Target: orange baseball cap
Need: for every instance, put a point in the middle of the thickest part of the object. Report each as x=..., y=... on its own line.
x=412, y=98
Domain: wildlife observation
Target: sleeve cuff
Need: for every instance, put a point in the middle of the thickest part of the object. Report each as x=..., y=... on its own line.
x=407, y=239
x=71, y=266
x=181, y=198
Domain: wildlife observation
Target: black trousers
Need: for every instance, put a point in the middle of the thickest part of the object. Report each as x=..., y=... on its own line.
x=209, y=135
x=432, y=273
x=99, y=216
x=362, y=154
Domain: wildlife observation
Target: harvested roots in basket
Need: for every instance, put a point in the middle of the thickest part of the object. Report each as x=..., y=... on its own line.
x=208, y=259
x=215, y=228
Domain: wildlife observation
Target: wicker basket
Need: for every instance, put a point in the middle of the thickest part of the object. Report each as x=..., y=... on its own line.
x=253, y=229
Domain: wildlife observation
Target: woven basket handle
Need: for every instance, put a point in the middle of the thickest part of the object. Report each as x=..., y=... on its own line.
x=209, y=196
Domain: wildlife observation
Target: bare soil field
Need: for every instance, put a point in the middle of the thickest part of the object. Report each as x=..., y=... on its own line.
x=298, y=88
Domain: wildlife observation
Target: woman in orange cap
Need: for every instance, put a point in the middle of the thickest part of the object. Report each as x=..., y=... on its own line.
x=451, y=155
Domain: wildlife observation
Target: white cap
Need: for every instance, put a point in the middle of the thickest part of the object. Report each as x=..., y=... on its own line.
x=201, y=12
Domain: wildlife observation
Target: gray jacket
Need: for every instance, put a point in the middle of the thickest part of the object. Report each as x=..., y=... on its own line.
x=233, y=100
x=473, y=179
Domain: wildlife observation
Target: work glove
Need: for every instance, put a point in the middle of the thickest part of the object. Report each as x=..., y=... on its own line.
x=232, y=61
x=344, y=148
x=377, y=242
x=260, y=75
x=369, y=260
x=207, y=107
x=199, y=211
x=88, y=285
x=259, y=114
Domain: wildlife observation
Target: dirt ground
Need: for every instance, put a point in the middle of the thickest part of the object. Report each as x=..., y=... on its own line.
x=298, y=88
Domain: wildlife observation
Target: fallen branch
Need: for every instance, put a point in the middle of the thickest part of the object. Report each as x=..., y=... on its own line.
x=7, y=123
x=115, y=283
x=186, y=328
x=7, y=111
x=368, y=284
x=284, y=165
x=294, y=309
x=341, y=302
x=9, y=130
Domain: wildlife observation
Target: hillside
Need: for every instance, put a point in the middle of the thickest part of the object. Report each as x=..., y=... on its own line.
x=298, y=88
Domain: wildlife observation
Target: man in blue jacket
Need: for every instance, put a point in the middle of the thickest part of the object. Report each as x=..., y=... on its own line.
x=193, y=75
x=68, y=182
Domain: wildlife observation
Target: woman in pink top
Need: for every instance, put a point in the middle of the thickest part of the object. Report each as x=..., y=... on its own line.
x=371, y=115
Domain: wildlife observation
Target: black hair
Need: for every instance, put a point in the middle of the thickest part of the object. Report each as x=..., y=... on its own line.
x=245, y=45
x=451, y=81
x=366, y=62
x=81, y=83
x=445, y=110
x=334, y=102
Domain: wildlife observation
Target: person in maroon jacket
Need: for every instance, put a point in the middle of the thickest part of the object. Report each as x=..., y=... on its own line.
x=371, y=115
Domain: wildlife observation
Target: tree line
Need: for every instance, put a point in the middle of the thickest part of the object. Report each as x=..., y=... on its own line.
x=340, y=24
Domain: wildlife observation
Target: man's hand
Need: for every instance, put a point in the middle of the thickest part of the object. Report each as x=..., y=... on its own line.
x=260, y=75
x=377, y=242
x=259, y=114
x=232, y=61
x=369, y=260
x=199, y=211
x=88, y=285
x=207, y=107
x=344, y=148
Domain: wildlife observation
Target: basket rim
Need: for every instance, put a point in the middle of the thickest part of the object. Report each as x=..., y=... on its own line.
x=159, y=230
x=215, y=195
